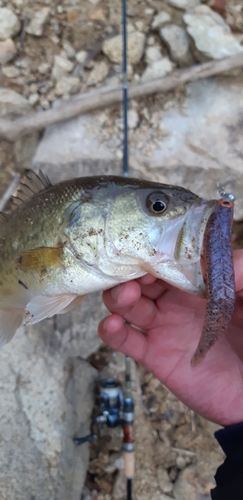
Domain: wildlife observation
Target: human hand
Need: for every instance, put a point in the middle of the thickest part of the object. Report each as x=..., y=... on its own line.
x=172, y=321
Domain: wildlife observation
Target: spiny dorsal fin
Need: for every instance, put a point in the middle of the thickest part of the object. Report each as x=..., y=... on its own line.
x=29, y=185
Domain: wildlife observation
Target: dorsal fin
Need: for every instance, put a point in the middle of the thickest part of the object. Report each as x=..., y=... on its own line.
x=29, y=185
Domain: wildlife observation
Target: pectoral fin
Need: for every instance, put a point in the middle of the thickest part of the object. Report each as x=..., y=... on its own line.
x=44, y=306
x=39, y=259
x=10, y=320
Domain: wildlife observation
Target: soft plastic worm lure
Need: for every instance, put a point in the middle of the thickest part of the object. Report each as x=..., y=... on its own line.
x=219, y=275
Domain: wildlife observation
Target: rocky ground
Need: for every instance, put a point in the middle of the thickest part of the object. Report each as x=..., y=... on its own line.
x=50, y=51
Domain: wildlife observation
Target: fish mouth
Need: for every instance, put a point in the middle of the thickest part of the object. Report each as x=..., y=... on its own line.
x=180, y=248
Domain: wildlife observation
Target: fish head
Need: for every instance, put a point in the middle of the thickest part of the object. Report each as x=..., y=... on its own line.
x=161, y=227
x=124, y=228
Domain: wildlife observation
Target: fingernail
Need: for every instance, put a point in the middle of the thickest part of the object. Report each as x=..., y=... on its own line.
x=115, y=292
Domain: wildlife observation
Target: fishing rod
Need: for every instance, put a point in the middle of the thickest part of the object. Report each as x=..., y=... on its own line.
x=128, y=406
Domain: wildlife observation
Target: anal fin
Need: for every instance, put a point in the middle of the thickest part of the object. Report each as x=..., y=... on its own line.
x=10, y=320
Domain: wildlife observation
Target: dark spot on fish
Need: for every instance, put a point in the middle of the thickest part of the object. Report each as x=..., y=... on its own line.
x=21, y=283
x=19, y=260
x=1, y=283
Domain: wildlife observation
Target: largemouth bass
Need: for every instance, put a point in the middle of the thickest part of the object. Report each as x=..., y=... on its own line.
x=66, y=240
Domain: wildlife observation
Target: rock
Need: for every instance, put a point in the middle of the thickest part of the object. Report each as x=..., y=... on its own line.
x=203, y=141
x=98, y=73
x=112, y=47
x=7, y=51
x=68, y=143
x=98, y=15
x=12, y=104
x=9, y=24
x=33, y=99
x=160, y=19
x=10, y=71
x=61, y=67
x=184, y=4
x=164, y=481
x=153, y=54
x=70, y=51
x=195, y=482
x=37, y=23
x=211, y=35
x=132, y=118
x=43, y=68
x=67, y=85
x=47, y=401
x=178, y=43
x=158, y=69
x=198, y=141
x=180, y=462
x=81, y=56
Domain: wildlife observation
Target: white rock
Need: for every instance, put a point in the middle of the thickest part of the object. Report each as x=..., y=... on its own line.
x=47, y=400
x=12, y=103
x=43, y=68
x=132, y=118
x=150, y=41
x=178, y=43
x=33, y=99
x=61, y=67
x=153, y=54
x=44, y=102
x=7, y=51
x=184, y=4
x=9, y=24
x=158, y=69
x=81, y=56
x=98, y=73
x=67, y=85
x=135, y=44
x=160, y=19
x=149, y=11
x=211, y=35
x=140, y=25
x=10, y=71
x=70, y=51
x=36, y=25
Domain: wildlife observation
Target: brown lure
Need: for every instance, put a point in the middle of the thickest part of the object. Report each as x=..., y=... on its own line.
x=219, y=274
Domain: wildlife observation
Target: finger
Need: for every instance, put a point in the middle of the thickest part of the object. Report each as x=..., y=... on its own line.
x=154, y=290
x=147, y=279
x=122, y=337
x=126, y=300
x=122, y=297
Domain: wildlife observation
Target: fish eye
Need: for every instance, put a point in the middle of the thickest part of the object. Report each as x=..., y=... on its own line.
x=156, y=204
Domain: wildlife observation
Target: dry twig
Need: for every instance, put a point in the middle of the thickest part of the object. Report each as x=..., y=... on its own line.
x=103, y=97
